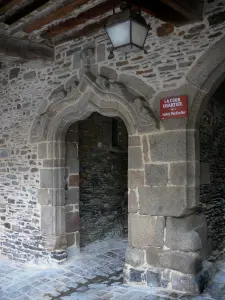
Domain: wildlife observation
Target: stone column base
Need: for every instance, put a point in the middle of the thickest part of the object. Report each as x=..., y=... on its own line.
x=167, y=279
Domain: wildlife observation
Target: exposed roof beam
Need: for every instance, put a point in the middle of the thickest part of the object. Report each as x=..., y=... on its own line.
x=56, y=14
x=81, y=18
x=24, y=9
x=85, y=31
x=192, y=9
x=9, y=5
x=23, y=49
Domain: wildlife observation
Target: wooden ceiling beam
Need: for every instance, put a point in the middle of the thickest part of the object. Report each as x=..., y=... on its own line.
x=22, y=11
x=81, y=18
x=85, y=31
x=9, y=5
x=23, y=49
x=4, y=3
x=57, y=14
x=191, y=9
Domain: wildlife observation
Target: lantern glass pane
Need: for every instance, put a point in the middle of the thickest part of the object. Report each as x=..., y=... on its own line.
x=119, y=34
x=139, y=33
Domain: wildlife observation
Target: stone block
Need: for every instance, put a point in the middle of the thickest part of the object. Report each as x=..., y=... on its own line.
x=101, y=53
x=146, y=150
x=146, y=231
x=152, y=256
x=185, y=283
x=108, y=73
x=156, y=174
x=134, y=141
x=54, y=242
x=72, y=196
x=189, y=241
x=52, y=220
x=205, y=173
x=53, y=163
x=52, y=178
x=74, y=180
x=56, y=150
x=54, y=197
x=136, y=276
x=172, y=146
x=134, y=158
x=153, y=279
x=42, y=151
x=194, y=222
x=183, y=173
x=132, y=202
x=167, y=201
x=135, y=179
x=72, y=222
x=137, y=84
x=76, y=61
x=134, y=257
x=185, y=262
x=70, y=239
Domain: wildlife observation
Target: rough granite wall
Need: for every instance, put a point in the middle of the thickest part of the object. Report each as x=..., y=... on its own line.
x=171, y=54
x=103, y=181
x=212, y=156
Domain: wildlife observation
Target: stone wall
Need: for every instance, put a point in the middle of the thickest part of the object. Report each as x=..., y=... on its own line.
x=103, y=181
x=26, y=89
x=96, y=180
x=212, y=156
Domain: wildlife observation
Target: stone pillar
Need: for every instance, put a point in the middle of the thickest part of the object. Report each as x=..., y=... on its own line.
x=166, y=228
x=51, y=197
x=72, y=189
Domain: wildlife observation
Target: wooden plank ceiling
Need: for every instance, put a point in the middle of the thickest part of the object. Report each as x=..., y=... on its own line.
x=52, y=22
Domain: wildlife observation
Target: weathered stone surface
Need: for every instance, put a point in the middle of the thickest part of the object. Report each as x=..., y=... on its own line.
x=108, y=73
x=216, y=19
x=152, y=256
x=156, y=174
x=54, y=197
x=134, y=141
x=183, y=173
x=101, y=53
x=184, y=283
x=42, y=150
x=189, y=241
x=52, y=178
x=135, y=179
x=167, y=201
x=165, y=29
x=72, y=196
x=185, y=262
x=134, y=257
x=146, y=231
x=53, y=220
x=172, y=146
x=74, y=180
x=136, y=275
x=134, y=158
x=182, y=226
x=14, y=73
x=153, y=279
x=132, y=201
x=29, y=75
x=72, y=222
x=205, y=173
x=137, y=84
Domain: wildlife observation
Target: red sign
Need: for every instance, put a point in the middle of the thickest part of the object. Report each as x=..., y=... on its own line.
x=174, y=107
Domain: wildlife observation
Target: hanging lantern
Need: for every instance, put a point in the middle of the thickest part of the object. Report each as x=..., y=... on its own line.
x=127, y=31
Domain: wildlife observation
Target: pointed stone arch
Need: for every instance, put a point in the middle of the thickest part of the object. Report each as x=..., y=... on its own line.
x=67, y=104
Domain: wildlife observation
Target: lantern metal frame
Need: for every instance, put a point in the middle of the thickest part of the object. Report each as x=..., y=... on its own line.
x=122, y=17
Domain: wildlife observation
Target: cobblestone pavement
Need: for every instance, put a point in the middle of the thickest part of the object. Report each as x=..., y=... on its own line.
x=96, y=274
